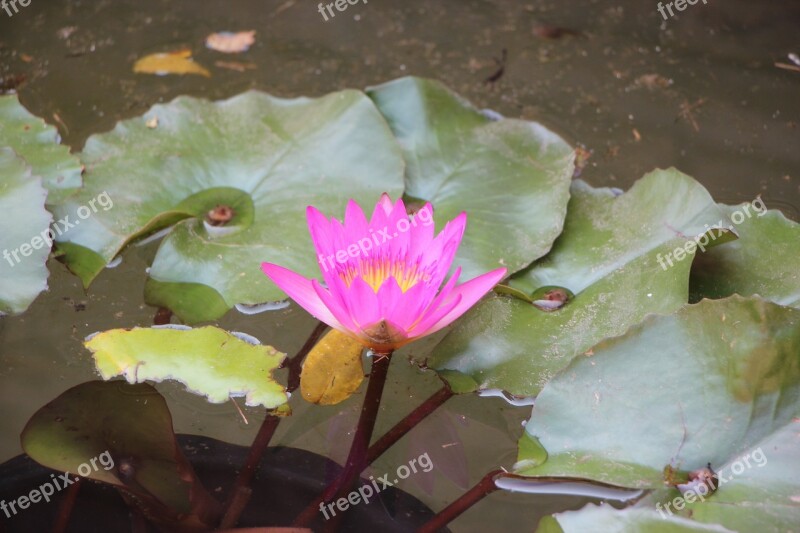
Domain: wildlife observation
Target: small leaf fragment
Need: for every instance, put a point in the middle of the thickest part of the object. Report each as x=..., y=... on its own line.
x=332, y=371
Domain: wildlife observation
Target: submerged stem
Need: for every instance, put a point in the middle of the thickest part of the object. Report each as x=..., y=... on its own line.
x=240, y=493
x=484, y=487
x=357, y=458
x=65, y=509
x=408, y=423
x=387, y=441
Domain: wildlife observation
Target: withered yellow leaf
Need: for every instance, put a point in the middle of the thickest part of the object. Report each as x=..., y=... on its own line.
x=332, y=370
x=177, y=62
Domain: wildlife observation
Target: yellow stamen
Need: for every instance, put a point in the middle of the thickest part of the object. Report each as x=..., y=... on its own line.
x=378, y=269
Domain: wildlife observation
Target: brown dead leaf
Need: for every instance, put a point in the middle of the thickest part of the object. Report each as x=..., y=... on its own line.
x=231, y=43
x=332, y=370
x=163, y=63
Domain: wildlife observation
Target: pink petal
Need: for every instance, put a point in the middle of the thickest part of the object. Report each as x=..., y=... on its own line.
x=434, y=317
x=412, y=305
x=362, y=302
x=422, y=232
x=320, y=229
x=442, y=250
x=429, y=314
x=391, y=299
x=301, y=291
x=385, y=203
x=356, y=226
x=333, y=300
x=468, y=293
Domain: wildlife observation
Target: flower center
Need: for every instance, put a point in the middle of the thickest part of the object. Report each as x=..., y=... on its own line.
x=376, y=270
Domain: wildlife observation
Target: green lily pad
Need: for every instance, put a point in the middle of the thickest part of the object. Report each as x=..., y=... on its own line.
x=23, y=227
x=512, y=177
x=39, y=144
x=632, y=520
x=210, y=361
x=122, y=435
x=609, y=257
x=764, y=261
x=704, y=385
x=266, y=158
x=761, y=493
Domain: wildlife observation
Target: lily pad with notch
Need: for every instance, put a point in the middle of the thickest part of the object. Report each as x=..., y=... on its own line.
x=606, y=272
x=263, y=158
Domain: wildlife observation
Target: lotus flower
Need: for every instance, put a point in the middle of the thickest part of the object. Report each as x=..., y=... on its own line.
x=383, y=276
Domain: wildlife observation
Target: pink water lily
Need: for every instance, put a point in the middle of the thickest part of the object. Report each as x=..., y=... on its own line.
x=383, y=276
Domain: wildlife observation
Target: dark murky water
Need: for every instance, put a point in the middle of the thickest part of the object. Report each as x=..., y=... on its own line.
x=699, y=91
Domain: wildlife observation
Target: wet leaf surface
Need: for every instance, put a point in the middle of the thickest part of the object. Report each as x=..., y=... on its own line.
x=707, y=384
x=763, y=496
x=608, y=258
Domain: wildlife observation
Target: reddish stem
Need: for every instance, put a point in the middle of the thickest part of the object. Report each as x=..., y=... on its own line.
x=295, y=364
x=240, y=493
x=236, y=506
x=408, y=423
x=357, y=458
x=468, y=499
x=387, y=441
x=65, y=509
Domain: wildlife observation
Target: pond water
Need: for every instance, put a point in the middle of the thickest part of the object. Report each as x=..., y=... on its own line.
x=699, y=91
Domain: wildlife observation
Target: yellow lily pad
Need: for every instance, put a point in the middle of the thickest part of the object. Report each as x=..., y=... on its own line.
x=332, y=371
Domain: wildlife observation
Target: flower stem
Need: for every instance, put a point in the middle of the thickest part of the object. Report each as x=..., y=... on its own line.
x=484, y=487
x=66, y=506
x=357, y=458
x=408, y=423
x=295, y=364
x=240, y=493
x=388, y=440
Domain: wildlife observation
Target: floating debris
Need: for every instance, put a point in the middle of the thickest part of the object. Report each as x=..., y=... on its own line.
x=231, y=43
x=177, y=62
